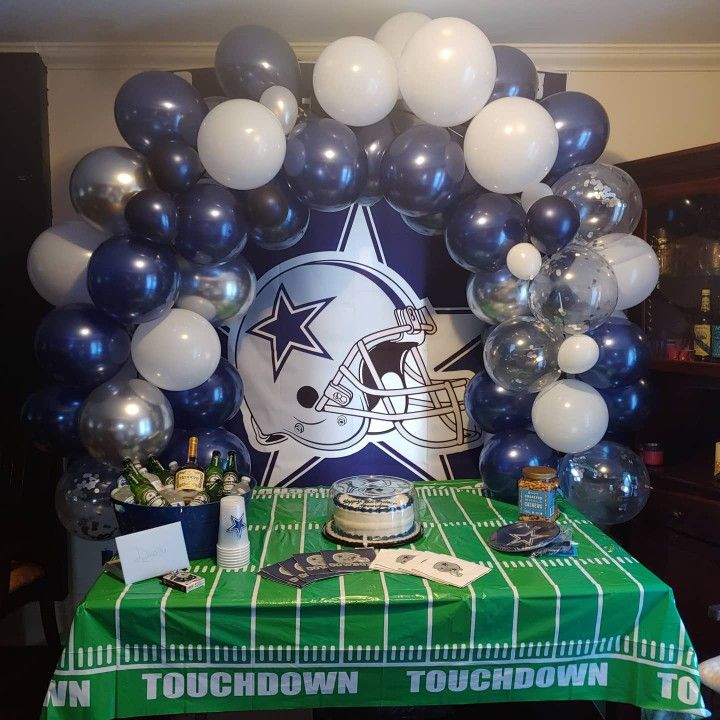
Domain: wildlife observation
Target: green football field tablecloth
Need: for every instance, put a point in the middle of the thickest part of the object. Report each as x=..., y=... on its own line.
x=596, y=627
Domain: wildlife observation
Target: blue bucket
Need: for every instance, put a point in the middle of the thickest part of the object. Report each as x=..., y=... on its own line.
x=199, y=522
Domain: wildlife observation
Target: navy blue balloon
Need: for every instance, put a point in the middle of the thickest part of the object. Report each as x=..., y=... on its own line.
x=325, y=164
x=495, y=409
x=624, y=355
x=51, y=416
x=504, y=456
x=211, y=226
x=422, y=170
x=583, y=129
x=79, y=345
x=211, y=404
x=375, y=139
x=428, y=225
x=481, y=230
x=277, y=218
x=152, y=214
x=175, y=166
x=629, y=406
x=552, y=222
x=516, y=74
x=209, y=439
x=155, y=105
x=133, y=280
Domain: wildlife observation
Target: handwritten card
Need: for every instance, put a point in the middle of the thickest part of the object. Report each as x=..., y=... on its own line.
x=153, y=552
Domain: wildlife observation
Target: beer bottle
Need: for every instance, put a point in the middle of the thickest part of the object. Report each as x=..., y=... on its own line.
x=155, y=467
x=230, y=476
x=214, y=477
x=200, y=498
x=715, y=336
x=702, y=329
x=142, y=490
x=189, y=476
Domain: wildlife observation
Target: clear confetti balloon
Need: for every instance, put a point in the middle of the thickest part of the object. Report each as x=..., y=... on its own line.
x=575, y=290
x=608, y=483
x=606, y=197
x=521, y=355
x=497, y=296
x=82, y=499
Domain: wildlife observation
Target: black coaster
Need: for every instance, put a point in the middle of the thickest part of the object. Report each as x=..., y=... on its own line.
x=523, y=536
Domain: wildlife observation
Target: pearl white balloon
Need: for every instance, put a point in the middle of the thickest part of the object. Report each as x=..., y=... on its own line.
x=511, y=144
x=179, y=351
x=283, y=105
x=241, y=144
x=532, y=193
x=524, y=261
x=635, y=266
x=58, y=259
x=577, y=354
x=447, y=71
x=394, y=33
x=355, y=81
x=570, y=416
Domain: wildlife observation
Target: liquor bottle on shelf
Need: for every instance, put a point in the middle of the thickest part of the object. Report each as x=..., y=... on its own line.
x=230, y=476
x=702, y=329
x=142, y=490
x=155, y=467
x=190, y=477
x=663, y=250
x=715, y=335
x=214, y=477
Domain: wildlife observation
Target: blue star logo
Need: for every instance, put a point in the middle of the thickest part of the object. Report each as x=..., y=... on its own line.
x=237, y=525
x=288, y=329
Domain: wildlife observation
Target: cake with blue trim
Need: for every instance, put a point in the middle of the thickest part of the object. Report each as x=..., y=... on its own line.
x=374, y=510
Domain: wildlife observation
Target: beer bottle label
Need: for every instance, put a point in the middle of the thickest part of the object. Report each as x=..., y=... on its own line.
x=152, y=498
x=229, y=479
x=189, y=479
x=703, y=341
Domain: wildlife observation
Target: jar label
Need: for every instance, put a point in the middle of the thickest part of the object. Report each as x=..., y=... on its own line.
x=537, y=502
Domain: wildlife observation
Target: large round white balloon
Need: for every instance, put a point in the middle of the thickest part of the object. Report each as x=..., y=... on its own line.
x=58, y=259
x=241, y=144
x=355, y=81
x=533, y=193
x=447, y=71
x=570, y=416
x=577, y=354
x=179, y=351
x=511, y=144
x=635, y=266
x=524, y=261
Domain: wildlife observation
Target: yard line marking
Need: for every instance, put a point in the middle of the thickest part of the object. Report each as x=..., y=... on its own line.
x=208, y=608
x=386, y=618
x=117, y=630
x=341, y=639
x=298, y=601
x=428, y=591
x=163, y=639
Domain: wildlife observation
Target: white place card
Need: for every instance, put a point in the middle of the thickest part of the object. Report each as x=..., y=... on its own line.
x=151, y=553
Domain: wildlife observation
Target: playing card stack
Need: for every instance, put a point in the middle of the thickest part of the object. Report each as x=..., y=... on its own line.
x=429, y=565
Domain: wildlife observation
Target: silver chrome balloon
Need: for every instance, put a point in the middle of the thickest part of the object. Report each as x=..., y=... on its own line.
x=102, y=183
x=125, y=418
x=217, y=292
x=283, y=105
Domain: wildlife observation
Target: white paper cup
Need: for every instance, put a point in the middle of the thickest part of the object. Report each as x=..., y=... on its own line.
x=232, y=529
x=233, y=558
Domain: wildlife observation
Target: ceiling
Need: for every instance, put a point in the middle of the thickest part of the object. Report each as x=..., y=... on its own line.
x=513, y=21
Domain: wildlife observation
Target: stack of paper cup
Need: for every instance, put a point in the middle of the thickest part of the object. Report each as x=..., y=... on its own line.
x=233, y=546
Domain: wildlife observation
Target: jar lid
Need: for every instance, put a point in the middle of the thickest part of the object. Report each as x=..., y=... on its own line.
x=651, y=446
x=539, y=472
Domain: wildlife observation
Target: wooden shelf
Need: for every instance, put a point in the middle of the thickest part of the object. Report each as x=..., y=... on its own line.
x=693, y=476
x=687, y=367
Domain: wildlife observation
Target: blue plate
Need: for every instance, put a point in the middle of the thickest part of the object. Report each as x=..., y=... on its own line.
x=524, y=536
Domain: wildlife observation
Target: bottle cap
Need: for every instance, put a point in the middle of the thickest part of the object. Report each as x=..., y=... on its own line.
x=539, y=472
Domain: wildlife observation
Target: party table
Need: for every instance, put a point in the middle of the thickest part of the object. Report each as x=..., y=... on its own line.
x=599, y=626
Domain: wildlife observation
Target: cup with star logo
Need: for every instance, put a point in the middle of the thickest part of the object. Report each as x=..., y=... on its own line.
x=233, y=545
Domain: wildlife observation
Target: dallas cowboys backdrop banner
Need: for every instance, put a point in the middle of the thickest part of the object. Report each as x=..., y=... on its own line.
x=357, y=350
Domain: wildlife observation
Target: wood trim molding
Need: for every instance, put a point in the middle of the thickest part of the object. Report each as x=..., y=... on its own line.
x=560, y=58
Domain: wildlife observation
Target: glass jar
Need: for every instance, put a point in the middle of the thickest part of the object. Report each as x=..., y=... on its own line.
x=536, y=493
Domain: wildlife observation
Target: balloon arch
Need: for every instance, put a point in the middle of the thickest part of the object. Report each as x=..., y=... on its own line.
x=429, y=116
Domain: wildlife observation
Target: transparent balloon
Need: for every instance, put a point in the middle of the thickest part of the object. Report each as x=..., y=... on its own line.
x=497, y=296
x=82, y=499
x=521, y=355
x=608, y=483
x=606, y=197
x=575, y=290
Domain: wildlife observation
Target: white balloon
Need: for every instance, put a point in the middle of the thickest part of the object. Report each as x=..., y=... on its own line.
x=577, y=354
x=58, y=259
x=241, y=144
x=355, y=81
x=570, y=416
x=511, y=144
x=524, y=261
x=532, y=193
x=635, y=266
x=447, y=71
x=179, y=351
x=394, y=33
x=283, y=105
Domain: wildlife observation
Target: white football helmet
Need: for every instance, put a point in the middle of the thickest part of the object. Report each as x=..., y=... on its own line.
x=330, y=354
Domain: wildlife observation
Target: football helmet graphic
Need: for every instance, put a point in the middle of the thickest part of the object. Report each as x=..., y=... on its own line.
x=331, y=353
